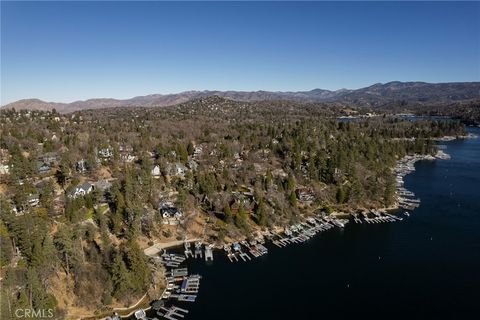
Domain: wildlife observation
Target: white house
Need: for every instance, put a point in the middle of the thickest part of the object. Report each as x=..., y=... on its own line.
x=176, y=169
x=81, y=190
x=81, y=165
x=156, y=171
x=197, y=151
x=33, y=200
x=127, y=157
x=192, y=164
x=4, y=168
x=106, y=153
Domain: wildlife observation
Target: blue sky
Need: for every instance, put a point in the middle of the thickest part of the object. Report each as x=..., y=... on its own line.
x=64, y=51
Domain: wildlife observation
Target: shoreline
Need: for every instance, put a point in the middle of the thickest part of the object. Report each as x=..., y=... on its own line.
x=268, y=234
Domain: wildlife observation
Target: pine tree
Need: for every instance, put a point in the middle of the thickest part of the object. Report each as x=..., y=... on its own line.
x=293, y=198
x=138, y=266
x=64, y=242
x=291, y=183
x=6, y=251
x=182, y=152
x=341, y=195
x=228, y=213
x=190, y=148
x=120, y=277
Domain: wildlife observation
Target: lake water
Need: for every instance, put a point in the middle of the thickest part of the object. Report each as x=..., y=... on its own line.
x=425, y=267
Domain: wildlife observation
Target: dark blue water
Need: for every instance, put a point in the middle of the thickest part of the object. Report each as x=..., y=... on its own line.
x=425, y=267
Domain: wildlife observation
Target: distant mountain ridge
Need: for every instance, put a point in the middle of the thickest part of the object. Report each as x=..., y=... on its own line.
x=374, y=95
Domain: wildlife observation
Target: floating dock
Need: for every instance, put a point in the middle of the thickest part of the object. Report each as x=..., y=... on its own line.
x=172, y=313
x=209, y=252
x=190, y=284
x=198, y=249
x=188, y=251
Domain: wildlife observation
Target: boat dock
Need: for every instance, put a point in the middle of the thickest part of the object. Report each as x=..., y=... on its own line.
x=198, y=249
x=190, y=284
x=176, y=273
x=172, y=312
x=209, y=252
x=184, y=297
x=244, y=256
x=171, y=259
x=188, y=251
x=356, y=219
x=406, y=199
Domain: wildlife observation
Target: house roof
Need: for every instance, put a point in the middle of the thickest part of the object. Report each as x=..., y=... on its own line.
x=85, y=186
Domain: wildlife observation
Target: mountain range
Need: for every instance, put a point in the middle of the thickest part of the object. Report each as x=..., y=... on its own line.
x=375, y=95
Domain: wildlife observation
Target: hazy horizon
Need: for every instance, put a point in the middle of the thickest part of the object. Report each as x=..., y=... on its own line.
x=215, y=90
x=66, y=52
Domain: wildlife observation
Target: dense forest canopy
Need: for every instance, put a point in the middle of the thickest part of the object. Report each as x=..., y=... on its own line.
x=83, y=194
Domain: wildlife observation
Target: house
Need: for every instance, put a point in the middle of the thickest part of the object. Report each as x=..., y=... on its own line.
x=106, y=153
x=279, y=173
x=156, y=171
x=33, y=200
x=43, y=168
x=81, y=165
x=177, y=169
x=81, y=190
x=125, y=148
x=197, y=151
x=180, y=169
x=192, y=165
x=305, y=194
x=170, y=213
x=243, y=198
x=4, y=155
x=4, y=168
x=127, y=157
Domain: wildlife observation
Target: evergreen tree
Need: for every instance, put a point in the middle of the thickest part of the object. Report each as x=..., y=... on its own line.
x=190, y=148
x=120, y=277
x=138, y=266
x=228, y=213
x=6, y=251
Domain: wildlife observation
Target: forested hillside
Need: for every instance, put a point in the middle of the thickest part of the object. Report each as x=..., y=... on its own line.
x=83, y=194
